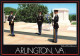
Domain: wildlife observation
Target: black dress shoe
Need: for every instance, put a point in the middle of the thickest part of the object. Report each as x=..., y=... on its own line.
x=36, y=33
x=54, y=41
x=13, y=35
x=10, y=34
x=39, y=34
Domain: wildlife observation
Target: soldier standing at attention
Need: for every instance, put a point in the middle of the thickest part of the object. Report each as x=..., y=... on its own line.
x=55, y=25
x=11, y=23
x=39, y=22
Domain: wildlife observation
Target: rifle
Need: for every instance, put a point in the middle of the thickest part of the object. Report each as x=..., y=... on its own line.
x=13, y=17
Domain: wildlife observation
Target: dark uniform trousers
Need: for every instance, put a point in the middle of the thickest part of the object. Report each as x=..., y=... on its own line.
x=39, y=28
x=12, y=29
x=55, y=34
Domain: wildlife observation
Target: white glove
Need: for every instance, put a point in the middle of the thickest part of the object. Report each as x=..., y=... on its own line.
x=13, y=16
x=12, y=20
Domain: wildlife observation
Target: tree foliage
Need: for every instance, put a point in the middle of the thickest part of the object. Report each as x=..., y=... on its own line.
x=72, y=17
x=51, y=13
x=8, y=9
x=29, y=12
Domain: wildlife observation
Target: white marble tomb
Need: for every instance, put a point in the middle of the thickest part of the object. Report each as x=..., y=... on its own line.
x=63, y=14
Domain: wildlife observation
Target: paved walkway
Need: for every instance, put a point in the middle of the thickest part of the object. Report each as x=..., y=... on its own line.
x=25, y=34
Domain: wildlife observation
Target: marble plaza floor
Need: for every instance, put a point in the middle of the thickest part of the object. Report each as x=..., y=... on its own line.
x=25, y=34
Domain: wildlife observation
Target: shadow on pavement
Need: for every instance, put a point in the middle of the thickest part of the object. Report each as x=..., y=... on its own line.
x=44, y=35
x=51, y=40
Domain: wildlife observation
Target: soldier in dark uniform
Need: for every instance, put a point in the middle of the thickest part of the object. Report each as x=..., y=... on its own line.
x=11, y=23
x=55, y=25
x=39, y=22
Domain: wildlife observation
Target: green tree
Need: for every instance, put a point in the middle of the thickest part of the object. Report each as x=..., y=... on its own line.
x=51, y=13
x=72, y=17
x=8, y=9
x=29, y=12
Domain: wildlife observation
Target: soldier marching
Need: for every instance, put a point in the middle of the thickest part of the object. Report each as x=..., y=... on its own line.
x=40, y=22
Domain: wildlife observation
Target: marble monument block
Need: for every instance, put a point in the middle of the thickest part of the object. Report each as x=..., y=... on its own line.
x=63, y=14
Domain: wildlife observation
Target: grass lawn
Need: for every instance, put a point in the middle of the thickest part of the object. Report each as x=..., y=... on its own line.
x=74, y=23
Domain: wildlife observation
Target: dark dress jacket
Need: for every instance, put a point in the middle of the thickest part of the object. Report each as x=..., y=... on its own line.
x=56, y=19
x=40, y=19
x=10, y=20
